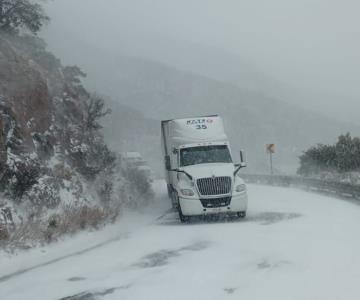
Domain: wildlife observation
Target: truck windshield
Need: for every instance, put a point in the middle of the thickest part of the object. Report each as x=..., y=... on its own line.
x=204, y=155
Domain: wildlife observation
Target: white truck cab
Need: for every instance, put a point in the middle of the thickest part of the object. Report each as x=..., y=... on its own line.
x=201, y=176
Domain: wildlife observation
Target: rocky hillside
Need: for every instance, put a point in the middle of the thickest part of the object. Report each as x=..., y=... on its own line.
x=52, y=154
x=24, y=98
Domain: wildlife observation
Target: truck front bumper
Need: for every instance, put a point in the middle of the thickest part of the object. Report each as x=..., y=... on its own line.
x=194, y=207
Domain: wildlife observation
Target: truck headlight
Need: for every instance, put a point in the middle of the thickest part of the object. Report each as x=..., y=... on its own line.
x=187, y=192
x=240, y=188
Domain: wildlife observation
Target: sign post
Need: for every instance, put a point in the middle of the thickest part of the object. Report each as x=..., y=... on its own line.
x=270, y=148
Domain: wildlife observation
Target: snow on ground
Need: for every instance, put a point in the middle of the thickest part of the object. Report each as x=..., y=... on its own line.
x=11, y=264
x=292, y=245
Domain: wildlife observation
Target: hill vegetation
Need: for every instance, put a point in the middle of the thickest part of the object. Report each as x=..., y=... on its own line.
x=57, y=174
x=343, y=157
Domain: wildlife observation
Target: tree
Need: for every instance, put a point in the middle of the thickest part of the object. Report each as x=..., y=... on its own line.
x=344, y=156
x=348, y=153
x=73, y=76
x=318, y=158
x=95, y=111
x=17, y=14
x=87, y=150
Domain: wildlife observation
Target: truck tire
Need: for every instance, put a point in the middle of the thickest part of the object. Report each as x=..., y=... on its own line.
x=169, y=190
x=183, y=219
x=174, y=199
x=241, y=214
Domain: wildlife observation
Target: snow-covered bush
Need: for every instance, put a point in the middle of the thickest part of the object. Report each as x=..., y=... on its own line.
x=342, y=157
x=74, y=218
x=69, y=219
x=141, y=184
x=45, y=193
x=6, y=221
x=4, y=233
x=123, y=187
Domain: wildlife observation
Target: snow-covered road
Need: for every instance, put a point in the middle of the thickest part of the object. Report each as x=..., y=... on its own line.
x=292, y=245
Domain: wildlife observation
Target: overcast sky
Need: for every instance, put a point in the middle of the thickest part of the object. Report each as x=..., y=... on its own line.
x=308, y=44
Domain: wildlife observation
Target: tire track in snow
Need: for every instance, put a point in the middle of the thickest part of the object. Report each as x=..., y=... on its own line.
x=50, y=262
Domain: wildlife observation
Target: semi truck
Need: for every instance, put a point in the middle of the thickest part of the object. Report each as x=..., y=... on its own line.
x=201, y=176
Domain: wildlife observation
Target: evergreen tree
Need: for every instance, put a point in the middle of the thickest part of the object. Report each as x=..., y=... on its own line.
x=95, y=111
x=344, y=156
x=17, y=14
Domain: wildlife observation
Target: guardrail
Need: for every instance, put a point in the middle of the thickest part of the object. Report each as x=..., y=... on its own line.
x=334, y=188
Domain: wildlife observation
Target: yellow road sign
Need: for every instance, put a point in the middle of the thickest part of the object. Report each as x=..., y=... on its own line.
x=270, y=148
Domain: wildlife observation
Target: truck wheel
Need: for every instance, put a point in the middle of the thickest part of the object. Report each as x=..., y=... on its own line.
x=174, y=200
x=183, y=219
x=241, y=214
x=169, y=190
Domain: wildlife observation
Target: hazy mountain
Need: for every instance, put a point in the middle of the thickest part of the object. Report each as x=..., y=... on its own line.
x=220, y=82
x=184, y=55
x=127, y=129
x=216, y=63
x=252, y=120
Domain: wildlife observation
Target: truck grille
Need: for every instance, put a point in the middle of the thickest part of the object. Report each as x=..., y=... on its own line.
x=214, y=186
x=216, y=202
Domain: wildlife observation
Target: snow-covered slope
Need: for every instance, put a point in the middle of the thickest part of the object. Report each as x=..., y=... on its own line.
x=292, y=245
x=53, y=158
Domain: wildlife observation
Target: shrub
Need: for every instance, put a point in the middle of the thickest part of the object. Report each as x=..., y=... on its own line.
x=344, y=156
x=4, y=233
x=71, y=220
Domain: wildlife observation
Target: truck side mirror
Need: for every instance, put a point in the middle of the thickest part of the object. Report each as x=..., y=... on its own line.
x=167, y=163
x=242, y=159
x=242, y=163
